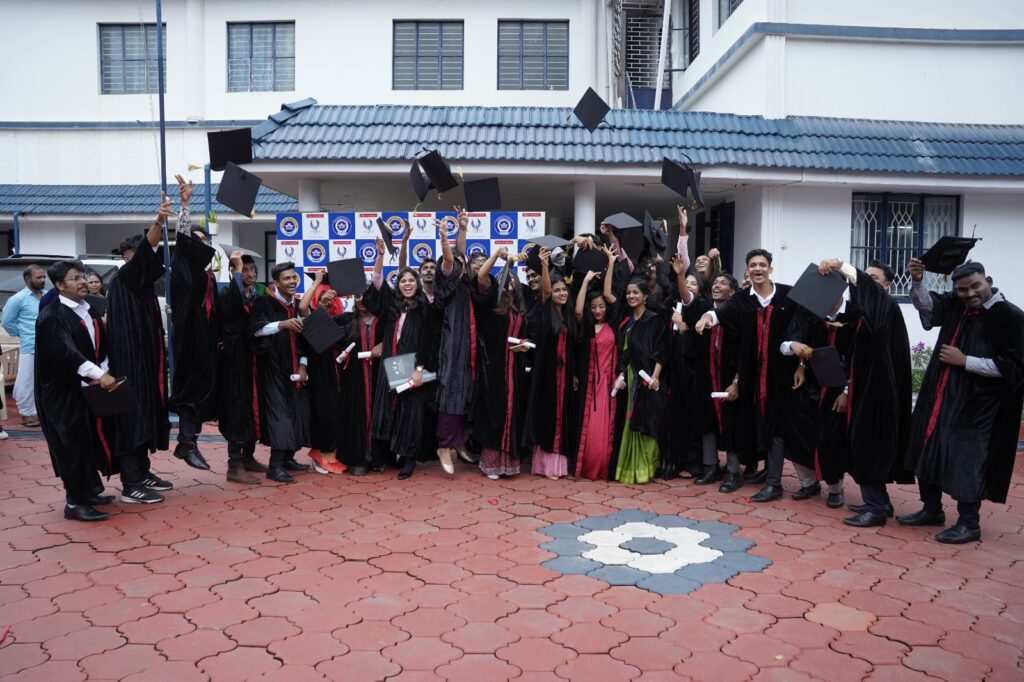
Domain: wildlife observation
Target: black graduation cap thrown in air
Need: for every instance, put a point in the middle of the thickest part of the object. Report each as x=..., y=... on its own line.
x=347, y=276
x=321, y=331
x=653, y=233
x=482, y=195
x=437, y=170
x=229, y=145
x=590, y=260
x=827, y=367
x=816, y=292
x=680, y=178
x=591, y=110
x=549, y=242
x=947, y=253
x=621, y=221
x=238, y=189
x=385, y=235
x=420, y=184
x=632, y=242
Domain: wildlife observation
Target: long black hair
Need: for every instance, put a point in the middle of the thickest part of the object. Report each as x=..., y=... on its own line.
x=400, y=303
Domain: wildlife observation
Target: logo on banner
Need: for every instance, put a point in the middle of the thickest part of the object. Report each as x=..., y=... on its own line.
x=531, y=224
x=341, y=250
x=368, y=252
x=450, y=224
x=368, y=226
x=289, y=226
x=504, y=225
x=316, y=254
x=314, y=225
x=396, y=224
x=341, y=226
x=474, y=249
x=393, y=278
x=421, y=252
x=475, y=224
x=423, y=226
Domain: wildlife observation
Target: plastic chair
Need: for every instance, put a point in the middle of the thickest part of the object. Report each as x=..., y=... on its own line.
x=8, y=372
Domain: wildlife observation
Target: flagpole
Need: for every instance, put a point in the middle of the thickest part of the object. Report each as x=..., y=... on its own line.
x=163, y=168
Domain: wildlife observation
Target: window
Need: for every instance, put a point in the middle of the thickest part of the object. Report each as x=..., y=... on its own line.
x=128, y=59
x=726, y=8
x=692, y=26
x=892, y=228
x=261, y=57
x=533, y=55
x=427, y=55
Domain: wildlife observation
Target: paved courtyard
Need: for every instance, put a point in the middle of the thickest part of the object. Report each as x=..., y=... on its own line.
x=468, y=579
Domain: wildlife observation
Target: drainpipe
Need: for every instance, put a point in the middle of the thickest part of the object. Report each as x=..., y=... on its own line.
x=17, y=233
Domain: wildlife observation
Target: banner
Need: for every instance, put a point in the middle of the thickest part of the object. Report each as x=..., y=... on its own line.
x=311, y=240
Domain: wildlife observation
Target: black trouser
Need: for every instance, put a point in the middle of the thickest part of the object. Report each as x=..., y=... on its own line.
x=134, y=466
x=79, y=488
x=875, y=496
x=278, y=457
x=775, y=460
x=239, y=451
x=189, y=426
x=931, y=495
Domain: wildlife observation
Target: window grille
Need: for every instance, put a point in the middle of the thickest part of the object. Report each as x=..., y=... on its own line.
x=128, y=59
x=261, y=57
x=427, y=55
x=533, y=55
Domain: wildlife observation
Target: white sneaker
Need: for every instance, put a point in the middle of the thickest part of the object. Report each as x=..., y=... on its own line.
x=4, y=435
x=445, y=455
x=493, y=477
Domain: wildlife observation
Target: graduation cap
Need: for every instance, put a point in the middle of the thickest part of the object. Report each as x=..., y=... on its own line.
x=680, y=178
x=482, y=195
x=347, y=276
x=827, y=367
x=238, y=189
x=503, y=276
x=590, y=260
x=653, y=233
x=816, y=292
x=385, y=235
x=437, y=170
x=229, y=145
x=591, y=110
x=621, y=221
x=947, y=253
x=104, y=403
x=549, y=242
x=231, y=248
x=420, y=184
x=321, y=331
x=632, y=242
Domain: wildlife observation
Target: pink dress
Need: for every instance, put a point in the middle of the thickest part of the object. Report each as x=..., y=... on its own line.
x=598, y=433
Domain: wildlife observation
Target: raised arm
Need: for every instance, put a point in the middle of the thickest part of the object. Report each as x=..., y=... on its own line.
x=307, y=296
x=484, y=275
x=460, y=240
x=447, y=257
x=609, y=274
x=545, y=276
x=581, y=296
x=156, y=230
x=378, y=265
x=403, y=253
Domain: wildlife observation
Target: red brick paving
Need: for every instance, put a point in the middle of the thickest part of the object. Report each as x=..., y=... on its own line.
x=440, y=578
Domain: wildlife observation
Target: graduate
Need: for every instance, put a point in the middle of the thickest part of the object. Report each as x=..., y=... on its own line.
x=409, y=324
x=597, y=363
x=136, y=350
x=963, y=436
x=499, y=410
x=641, y=349
x=361, y=453
x=70, y=352
x=761, y=317
x=551, y=416
x=195, y=334
x=281, y=374
x=238, y=397
x=879, y=391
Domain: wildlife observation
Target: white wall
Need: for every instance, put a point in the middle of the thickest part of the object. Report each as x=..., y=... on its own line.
x=58, y=238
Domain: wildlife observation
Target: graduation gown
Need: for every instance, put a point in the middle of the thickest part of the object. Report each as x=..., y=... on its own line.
x=324, y=390
x=238, y=403
x=715, y=366
x=357, y=384
x=194, y=329
x=677, y=444
x=878, y=409
x=136, y=350
x=283, y=404
x=965, y=426
x=457, y=359
x=499, y=412
x=78, y=442
x=816, y=435
x=646, y=347
x=765, y=374
x=398, y=418
x=551, y=412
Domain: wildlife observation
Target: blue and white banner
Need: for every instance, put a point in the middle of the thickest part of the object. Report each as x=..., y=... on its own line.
x=311, y=240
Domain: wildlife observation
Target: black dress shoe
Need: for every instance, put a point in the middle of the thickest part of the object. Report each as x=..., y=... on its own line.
x=807, y=492
x=958, y=534
x=280, y=475
x=710, y=475
x=100, y=500
x=922, y=518
x=768, y=493
x=190, y=453
x=408, y=466
x=357, y=471
x=835, y=500
x=292, y=465
x=84, y=512
x=865, y=520
x=755, y=477
x=731, y=483
x=858, y=508
x=467, y=455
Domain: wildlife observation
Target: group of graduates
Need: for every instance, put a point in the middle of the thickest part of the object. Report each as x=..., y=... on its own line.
x=626, y=372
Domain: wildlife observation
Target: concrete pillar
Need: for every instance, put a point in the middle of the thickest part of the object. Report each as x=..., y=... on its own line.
x=585, y=208
x=309, y=195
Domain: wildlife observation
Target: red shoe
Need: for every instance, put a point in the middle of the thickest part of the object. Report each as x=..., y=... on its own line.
x=319, y=465
x=334, y=466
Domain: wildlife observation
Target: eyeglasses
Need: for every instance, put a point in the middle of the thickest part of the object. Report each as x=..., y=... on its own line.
x=72, y=280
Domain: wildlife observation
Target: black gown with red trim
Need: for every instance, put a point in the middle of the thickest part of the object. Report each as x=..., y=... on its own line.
x=78, y=442
x=239, y=408
x=551, y=411
x=816, y=435
x=136, y=349
x=965, y=426
x=194, y=327
x=284, y=404
x=358, y=383
x=715, y=366
x=457, y=355
x=766, y=375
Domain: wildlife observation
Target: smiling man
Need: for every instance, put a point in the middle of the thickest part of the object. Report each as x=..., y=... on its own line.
x=963, y=436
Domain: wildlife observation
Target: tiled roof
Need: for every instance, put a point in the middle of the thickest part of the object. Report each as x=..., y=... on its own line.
x=96, y=199
x=306, y=131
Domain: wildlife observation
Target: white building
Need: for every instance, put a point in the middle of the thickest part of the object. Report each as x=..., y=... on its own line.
x=817, y=164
